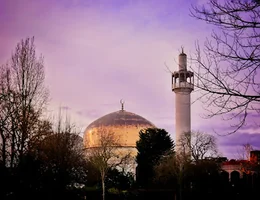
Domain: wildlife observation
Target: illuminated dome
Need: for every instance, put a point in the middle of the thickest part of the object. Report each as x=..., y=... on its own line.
x=122, y=123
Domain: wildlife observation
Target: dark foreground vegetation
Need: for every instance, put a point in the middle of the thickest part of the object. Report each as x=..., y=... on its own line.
x=218, y=190
x=42, y=158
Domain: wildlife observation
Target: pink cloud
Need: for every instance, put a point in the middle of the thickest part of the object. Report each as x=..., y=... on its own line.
x=98, y=53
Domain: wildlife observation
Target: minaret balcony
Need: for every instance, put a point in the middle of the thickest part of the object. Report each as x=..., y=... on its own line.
x=183, y=85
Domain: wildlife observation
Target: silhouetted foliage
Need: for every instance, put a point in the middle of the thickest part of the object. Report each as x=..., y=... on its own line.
x=119, y=179
x=153, y=144
x=174, y=171
x=187, y=171
x=23, y=98
x=38, y=160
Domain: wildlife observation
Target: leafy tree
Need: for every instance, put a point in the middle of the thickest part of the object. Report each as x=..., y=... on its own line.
x=228, y=65
x=153, y=144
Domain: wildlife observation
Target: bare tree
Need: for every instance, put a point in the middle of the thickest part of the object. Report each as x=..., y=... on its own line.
x=229, y=62
x=243, y=153
x=55, y=160
x=23, y=98
x=198, y=145
x=5, y=110
x=107, y=153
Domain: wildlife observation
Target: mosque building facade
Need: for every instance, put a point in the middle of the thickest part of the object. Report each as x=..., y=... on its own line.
x=123, y=124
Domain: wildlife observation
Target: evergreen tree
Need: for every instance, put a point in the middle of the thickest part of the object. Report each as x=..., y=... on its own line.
x=153, y=144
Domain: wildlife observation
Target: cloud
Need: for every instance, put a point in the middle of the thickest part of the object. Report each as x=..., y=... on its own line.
x=98, y=52
x=232, y=143
x=91, y=114
x=65, y=108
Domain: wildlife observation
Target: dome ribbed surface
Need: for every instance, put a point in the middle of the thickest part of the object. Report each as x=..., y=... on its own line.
x=126, y=125
x=120, y=118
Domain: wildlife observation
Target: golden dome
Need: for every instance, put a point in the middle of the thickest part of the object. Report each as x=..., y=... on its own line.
x=124, y=124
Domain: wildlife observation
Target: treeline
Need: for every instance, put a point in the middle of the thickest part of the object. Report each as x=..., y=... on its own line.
x=193, y=171
x=44, y=158
x=39, y=157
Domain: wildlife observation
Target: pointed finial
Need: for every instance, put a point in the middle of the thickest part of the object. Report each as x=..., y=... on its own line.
x=122, y=104
x=182, y=49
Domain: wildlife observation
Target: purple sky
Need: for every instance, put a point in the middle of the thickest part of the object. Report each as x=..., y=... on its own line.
x=100, y=51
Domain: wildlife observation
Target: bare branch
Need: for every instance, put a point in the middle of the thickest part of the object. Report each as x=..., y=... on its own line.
x=198, y=145
x=23, y=98
x=226, y=69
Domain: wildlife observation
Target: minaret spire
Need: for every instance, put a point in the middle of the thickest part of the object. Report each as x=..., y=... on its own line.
x=182, y=86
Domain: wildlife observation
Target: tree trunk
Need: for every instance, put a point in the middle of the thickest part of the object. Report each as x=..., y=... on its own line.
x=103, y=185
x=3, y=153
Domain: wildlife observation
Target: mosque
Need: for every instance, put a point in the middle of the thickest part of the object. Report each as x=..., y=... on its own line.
x=124, y=125
x=127, y=125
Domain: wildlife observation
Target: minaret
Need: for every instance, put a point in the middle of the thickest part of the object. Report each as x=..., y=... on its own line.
x=182, y=85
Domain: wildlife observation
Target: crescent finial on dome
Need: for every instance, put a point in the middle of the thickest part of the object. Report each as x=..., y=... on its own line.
x=122, y=104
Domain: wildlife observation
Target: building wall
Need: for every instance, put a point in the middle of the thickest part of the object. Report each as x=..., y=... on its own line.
x=127, y=135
